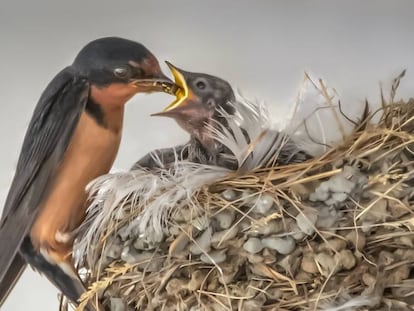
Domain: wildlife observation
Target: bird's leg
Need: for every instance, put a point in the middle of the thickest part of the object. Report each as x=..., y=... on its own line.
x=51, y=254
x=54, y=260
x=66, y=237
x=52, y=241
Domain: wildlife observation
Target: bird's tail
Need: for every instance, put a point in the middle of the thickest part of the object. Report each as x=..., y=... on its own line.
x=10, y=278
x=62, y=276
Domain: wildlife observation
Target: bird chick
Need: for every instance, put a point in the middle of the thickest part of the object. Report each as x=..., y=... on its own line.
x=200, y=102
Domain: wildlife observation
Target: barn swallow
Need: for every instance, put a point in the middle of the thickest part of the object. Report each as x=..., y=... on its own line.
x=200, y=100
x=73, y=137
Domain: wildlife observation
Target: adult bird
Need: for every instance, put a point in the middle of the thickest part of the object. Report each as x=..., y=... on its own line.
x=200, y=102
x=73, y=137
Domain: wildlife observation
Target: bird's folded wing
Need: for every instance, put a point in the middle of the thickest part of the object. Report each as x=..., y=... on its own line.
x=50, y=130
x=162, y=158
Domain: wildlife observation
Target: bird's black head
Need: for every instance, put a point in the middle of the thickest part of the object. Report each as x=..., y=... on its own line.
x=115, y=60
x=199, y=99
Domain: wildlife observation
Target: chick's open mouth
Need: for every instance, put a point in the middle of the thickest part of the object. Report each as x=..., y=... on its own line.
x=181, y=92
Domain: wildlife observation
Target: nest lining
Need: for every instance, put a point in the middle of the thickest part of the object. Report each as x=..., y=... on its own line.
x=331, y=233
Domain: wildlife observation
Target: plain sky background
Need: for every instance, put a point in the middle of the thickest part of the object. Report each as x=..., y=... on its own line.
x=261, y=47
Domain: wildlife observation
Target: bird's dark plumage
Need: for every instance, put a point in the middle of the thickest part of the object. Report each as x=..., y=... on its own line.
x=47, y=137
x=105, y=74
x=103, y=65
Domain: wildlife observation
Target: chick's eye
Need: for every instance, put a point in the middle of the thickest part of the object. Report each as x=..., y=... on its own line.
x=201, y=85
x=121, y=72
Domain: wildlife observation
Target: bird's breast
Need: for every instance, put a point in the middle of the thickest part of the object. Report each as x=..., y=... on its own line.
x=90, y=153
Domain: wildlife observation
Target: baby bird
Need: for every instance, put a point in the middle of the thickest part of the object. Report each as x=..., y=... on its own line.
x=202, y=102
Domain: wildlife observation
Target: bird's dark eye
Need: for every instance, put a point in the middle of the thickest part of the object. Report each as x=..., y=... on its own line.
x=201, y=85
x=121, y=72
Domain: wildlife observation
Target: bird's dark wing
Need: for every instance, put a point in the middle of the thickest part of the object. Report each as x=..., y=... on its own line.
x=50, y=130
x=192, y=151
x=162, y=158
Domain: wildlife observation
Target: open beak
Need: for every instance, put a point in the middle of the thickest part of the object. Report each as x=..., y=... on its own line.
x=161, y=83
x=179, y=89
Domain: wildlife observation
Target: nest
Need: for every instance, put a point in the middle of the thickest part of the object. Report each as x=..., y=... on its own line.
x=332, y=233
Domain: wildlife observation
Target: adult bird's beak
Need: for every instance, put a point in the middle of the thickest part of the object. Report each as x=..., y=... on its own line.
x=181, y=92
x=159, y=83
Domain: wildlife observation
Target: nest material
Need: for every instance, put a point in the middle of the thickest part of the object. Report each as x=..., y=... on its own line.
x=332, y=233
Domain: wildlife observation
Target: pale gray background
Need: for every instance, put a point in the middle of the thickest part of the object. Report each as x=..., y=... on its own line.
x=262, y=47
